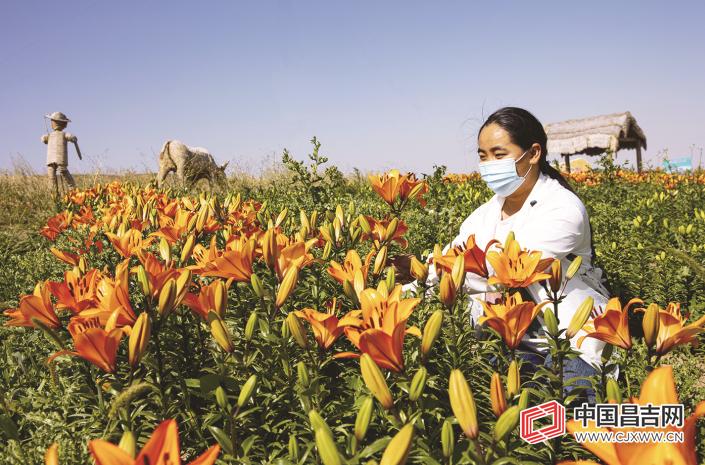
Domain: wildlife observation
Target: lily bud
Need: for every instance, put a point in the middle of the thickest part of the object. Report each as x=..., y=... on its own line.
x=302, y=374
x=523, y=399
x=364, y=224
x=437, y=252
x=513, y=379
x=418, y=384
x=293, y=449
x=458, y=272
x=650, y=324
x=580, y=317
x=165, y=250
x=614, y=394
x=247, y=390
x=257, y=285
x=297, y=330
x=391, y=229
x=220, y=298
x=549, y=319
x=380, y=260
x=337, y=229
x=82, y=265
x=390, y=280
x=269, y=247
x=574, y=267
x=327, y=250
x=167, y=298
x=447, y=290
x=463, y=404
x=350, y=292
x=364, y=415
x=284, y=330
x=187, y=249
x=139, y=338
x=327, y=449
x=498, y=399
x=375, y=382
x=506, y=423
x=281, y=216
x=398, y=448
x=220, y=332
x=144, y=281
x=431, y=332
x=339, y=215
x=287, y=285
x=250, y=326
x=419, y=270
x=128, y=443
x=201, y=218
x=183, y=282
x=317, y=421
x=556, y=278
x=447, y=438
x=221, y=398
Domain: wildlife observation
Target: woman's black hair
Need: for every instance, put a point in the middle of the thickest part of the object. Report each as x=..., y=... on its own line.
x=525, y=129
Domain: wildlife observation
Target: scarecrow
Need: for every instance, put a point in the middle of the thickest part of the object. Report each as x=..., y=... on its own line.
x=57, y=151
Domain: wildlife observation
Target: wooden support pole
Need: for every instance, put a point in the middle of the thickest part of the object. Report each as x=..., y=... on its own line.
x=566, y=156
x=638, y=158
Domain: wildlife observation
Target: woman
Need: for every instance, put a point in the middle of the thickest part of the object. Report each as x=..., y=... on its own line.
x=534, y=201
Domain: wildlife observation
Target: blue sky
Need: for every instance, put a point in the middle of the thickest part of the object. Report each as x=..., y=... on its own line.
x=381, y=84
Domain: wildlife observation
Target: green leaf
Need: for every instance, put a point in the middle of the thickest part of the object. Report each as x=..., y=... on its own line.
x=222, y=439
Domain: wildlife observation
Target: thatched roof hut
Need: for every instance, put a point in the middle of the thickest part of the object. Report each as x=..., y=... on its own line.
x=596, y=135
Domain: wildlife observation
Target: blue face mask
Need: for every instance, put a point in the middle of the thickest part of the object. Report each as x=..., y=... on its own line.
x=501, y=175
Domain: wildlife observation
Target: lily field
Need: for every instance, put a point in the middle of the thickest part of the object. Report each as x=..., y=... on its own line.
x=265, y=322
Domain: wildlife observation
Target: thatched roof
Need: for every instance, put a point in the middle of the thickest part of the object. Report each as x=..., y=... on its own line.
x=595, y=135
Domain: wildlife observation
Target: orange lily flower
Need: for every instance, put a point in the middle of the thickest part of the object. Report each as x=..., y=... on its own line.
x=235, y=263
x=76, y=293
x=112, y=295
x=612, y=326
x=93, y=343
x=157, y=272
x=204, y=256
x=379, y=229
x=379, y=327
x=511, y=319
x=392, y=185
x=474, y=258
x=56, y=225
x=204, y=301
x=514, y=267
x=37, y=305
x=658, y=388
x=129, y=242
x=672, y=328
x=295, y=254
x=352, y=269
x=173, y=228
x=324, y=324
x=387, y=185
x=66, y=257
x=162, y=448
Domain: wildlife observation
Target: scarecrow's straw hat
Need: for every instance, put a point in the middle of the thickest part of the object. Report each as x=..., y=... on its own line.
x=58, y=116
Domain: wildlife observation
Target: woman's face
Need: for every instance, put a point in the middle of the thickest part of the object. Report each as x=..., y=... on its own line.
x=494, y=143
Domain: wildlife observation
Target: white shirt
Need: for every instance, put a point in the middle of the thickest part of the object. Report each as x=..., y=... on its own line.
x=554, y=221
